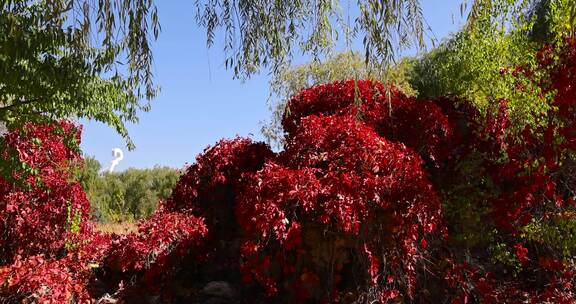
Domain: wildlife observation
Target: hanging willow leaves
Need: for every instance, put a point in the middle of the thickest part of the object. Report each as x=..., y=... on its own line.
x=266, y=34
x=261, y=33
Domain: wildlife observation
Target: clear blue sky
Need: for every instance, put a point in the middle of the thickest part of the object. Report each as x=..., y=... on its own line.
x=200, y=102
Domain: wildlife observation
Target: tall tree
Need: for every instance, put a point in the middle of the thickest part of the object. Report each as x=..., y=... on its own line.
x=76, y=58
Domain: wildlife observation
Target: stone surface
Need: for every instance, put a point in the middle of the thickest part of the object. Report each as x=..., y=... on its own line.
x=219, y=289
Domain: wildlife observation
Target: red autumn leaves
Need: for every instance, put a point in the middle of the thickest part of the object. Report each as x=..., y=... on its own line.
x=365, y=202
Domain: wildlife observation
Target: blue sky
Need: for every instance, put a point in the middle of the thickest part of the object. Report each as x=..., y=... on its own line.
x=200, y=102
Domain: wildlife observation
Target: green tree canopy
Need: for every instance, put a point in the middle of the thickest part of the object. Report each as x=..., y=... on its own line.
x=76, y=58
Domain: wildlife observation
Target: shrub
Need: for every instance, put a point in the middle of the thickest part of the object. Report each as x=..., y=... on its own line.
x=342, y=206
x=46, y=244
x=145, y=260
x=41, y=208
x=375, y=198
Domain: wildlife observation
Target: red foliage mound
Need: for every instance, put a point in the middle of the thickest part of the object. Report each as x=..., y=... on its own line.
x=338, y=203
x=209, y=186
x=143, y=262
x=420, y=125
x=377, y=197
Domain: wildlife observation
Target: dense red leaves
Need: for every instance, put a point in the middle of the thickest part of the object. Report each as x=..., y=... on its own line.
x=421, y=125
x=65, y=279
x=211, y=179
x=339, y=174
x=352, y=209
x=44, y=245
x=273, y=195
x=38, y=198
x=46, y=280
x=158, y=238
x=209, y=189
x=359, y=170
x=146, y=258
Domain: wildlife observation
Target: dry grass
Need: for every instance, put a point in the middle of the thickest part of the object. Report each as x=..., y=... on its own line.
x=118, y=228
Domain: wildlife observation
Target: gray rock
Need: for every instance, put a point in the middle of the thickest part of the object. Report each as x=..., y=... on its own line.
x=219, y=289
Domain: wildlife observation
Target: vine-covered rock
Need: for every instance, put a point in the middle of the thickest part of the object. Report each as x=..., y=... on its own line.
x=376, y=197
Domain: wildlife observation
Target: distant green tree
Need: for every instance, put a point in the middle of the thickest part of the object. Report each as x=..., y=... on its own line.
x=129, y=195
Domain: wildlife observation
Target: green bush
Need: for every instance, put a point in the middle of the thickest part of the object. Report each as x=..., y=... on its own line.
x=478, y=62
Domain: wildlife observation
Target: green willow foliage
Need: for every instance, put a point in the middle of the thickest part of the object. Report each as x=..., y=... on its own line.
x=76, y=58
x=502, y=34
x=498, y=35
x=261, y=33
x=126, y=196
